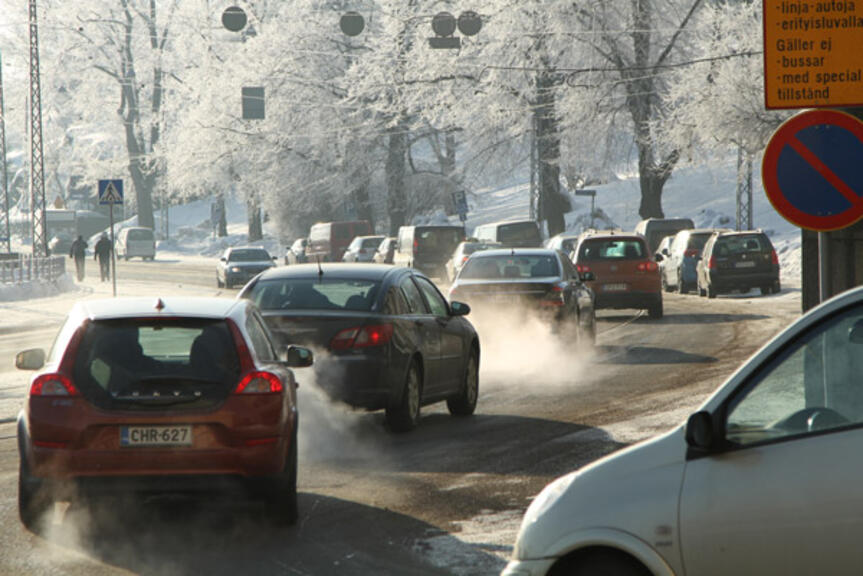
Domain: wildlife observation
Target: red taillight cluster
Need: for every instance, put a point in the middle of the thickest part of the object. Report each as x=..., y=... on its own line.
x=259, y=383
x=582, y=268
x=692, y=253
x=774, y=258
x=647, y=266
x=554, y=298
x=53, y=384
x=711, y=264
x=362, y=337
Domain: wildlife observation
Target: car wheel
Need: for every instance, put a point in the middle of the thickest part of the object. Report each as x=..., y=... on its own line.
x=282, y=505
x=603, y=563
x=765, y=290
x=34, y=502
x=219, y=283
x=777, y=288
x=699, y=289
x=464, y=403
x=404, y=415
x=711, y=291
x=664, y=282
x=655, y=309
x=681, y=287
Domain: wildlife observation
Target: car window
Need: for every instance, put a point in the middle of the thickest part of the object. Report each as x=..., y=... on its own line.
x=314, y=294
x=395, y=303
x=519, y=233
x=355, y=244
x=436, y=302
x=248, y=255
x=510, y=267
x=260, y=341
x=733, y=245
x=612, y=249
x=140, y=234
x=416, y=304
x=814, y=385
x=369, y=243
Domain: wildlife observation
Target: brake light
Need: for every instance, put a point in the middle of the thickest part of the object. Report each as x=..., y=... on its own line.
x=582, y=268
x=774, y=258
x=362, y=337
x=648, y=266
x=692, y=253
x=711, y=264
x=259, y=383
x=554, y=298
x=464, y=258
x=53, y=384
x=416, y=244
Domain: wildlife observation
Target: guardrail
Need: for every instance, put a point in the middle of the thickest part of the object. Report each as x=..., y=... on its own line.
x=21, y=268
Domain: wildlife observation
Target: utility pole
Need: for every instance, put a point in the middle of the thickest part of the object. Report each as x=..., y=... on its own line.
x=39, y=229
x=4, y=199
x=744, y=189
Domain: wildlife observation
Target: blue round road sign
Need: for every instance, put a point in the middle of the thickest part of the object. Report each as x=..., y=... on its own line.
x=812, y=170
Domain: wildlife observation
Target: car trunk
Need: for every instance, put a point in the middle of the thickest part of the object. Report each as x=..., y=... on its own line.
x=615, y=275
x=743, y=264
x=313, y=328
x=504, y=291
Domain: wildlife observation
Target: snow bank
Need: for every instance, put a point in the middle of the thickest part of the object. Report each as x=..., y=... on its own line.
x=36, y=289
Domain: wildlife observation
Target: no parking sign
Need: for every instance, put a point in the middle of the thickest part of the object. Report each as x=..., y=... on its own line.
x=813, y=170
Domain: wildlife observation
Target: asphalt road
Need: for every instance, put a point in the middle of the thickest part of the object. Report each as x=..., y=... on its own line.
x=444, y=499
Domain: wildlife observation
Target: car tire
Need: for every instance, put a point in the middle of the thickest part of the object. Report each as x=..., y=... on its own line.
x=282, y=501
x=711, y=291
x=699, y=289
x=777, y=288
x=464, y=403
x=403, y=415
x=664, y=282
x=602, y=563
x=765, y=290
x=655, y=310
x=681, y=287
x=34, y=501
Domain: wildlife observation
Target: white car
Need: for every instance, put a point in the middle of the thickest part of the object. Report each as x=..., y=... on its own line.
x=764, y=479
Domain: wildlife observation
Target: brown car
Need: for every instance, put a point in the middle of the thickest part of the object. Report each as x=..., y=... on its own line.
x=149, y=395
x=626, y=274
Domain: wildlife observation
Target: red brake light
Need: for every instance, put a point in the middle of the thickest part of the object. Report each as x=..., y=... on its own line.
x=53, y=385
x=582, y=268
x=416, y=244
x=364, y=337
x=692, y=253
x=774, y=258
x=464, y=258
x=711, y=264
x=259, y=383
x=647, y=266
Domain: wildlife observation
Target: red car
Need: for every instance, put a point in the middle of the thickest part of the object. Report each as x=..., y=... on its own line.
x=150, y=395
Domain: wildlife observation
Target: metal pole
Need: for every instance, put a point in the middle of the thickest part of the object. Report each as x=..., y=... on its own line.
x=37, y=164
x=113, y=251
x=4, y=217
x=823, y=266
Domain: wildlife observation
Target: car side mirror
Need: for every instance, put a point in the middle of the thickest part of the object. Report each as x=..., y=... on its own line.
x=658, y=257
x=699, y=432
x=32, y=359
x=298, y=357
x=223, y=259
x=273, y=258
x=665, y=251
x=588, y=276
x=458, y=309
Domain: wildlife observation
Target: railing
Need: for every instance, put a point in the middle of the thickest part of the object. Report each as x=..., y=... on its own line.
x=18, y=268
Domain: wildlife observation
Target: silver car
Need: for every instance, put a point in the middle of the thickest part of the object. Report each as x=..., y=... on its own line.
x=362, y=249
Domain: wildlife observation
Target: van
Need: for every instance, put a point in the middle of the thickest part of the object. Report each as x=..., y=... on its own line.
x=136, y=242
x=655, y=229
x=329, y=240
x=427, y=248
x=512, y=234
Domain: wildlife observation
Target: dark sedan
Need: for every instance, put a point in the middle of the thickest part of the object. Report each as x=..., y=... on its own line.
x=538, y=280
x=393, y=341
x=239, y=265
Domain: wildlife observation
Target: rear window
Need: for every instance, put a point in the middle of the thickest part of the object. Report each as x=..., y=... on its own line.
x=442, y=239
x=179, y=358
x=248, y=256
x=520, y=233
x=140, y=235
x=612, y=249
x=697, y=241
x=730, y=245
x=510, y=267
x=371, y=243
x=315, y=294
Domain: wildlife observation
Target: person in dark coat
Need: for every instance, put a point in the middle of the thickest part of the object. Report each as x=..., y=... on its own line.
x=102, y=252
x=78, y=251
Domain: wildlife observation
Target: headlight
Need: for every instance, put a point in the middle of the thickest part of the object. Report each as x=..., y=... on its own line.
x=236, y=269
x=549, y=495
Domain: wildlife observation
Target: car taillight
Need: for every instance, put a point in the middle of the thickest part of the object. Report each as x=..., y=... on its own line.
x=582, y=268
x=259, y=383
x=362, y=337
x=774, y=258
x=648, y=266
x=416, y=244
x=711, y=264
x=53, y=384
x=554, y=297
x=464, y=258
x=690, y=253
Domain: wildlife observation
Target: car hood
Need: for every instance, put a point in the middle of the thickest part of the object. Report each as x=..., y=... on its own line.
x=632, y=494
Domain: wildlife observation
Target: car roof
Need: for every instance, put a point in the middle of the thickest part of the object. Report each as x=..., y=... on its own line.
x=612, y=235
x=515, y=252
x=381, y=236
x=167, y=307
x=332, y=270
x=740, y=233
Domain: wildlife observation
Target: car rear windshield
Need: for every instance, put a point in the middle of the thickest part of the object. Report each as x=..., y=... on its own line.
x=519, y=234
x=248, y=256
x=140, y=235
x=369, y=243
x=156, y=361
x=508, y=267
x=315, y=294
x=729, y=245
x=612, y=249
x=697, y=241
x=438, y=239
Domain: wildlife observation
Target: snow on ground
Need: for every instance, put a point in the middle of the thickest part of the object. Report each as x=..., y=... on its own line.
x=36, y=289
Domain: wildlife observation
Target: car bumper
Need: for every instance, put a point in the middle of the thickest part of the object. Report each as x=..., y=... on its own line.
x=626, y=300
x=361, y=380
x=528, y=567
x=724, y=282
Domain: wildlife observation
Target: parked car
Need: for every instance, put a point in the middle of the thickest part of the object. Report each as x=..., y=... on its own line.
x=663, y=250
x=762, y=479
x=427, y=248
x=625, y=273
x=393, y=341
x=176, y=395
x=655, y=229
x=678, y=271
x=385, y=251
x=462, y=253
x=565, y=242
x=238, y=265
x=536, y=279
x=738, y=261
x=362, y=249
x=136, y=242
x=296, y=253
x=512, y=234
x=329, y=240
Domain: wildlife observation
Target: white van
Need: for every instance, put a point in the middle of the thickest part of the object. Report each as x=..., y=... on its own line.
x=136, y=242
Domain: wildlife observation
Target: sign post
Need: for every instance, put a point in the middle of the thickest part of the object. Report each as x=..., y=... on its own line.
x=592, y=194
x=459, y=198
x=110, y=193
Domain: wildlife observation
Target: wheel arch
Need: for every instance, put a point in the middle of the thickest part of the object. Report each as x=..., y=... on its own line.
x=609, y=541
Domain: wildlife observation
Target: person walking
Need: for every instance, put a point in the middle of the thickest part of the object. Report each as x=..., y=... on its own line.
x=102, y=252
x=78, y=251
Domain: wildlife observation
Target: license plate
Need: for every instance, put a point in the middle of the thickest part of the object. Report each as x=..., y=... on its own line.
x=614, y=287
x=156, y=436
x=744, y=264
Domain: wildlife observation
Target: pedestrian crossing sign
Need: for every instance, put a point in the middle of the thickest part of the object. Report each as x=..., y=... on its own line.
x=110, y=191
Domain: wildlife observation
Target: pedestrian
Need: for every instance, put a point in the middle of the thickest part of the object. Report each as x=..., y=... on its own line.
x=102, y=252
x=78, y=251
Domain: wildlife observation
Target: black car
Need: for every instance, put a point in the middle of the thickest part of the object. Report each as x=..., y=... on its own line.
x=238, y=265
x=738, y=261
x=535, y=279
x=393, y=342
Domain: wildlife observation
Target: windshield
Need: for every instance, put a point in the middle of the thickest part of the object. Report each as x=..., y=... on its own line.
x=248, y=256
x=617, y=249
x=315, y=294
x=510, y=267
x=438, y=239
x=519, y=234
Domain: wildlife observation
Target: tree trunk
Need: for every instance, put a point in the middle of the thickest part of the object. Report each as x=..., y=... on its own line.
x=363, y=203
x=552, y=204
x=395, y=178
x=256, y=231
x=223, y=218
